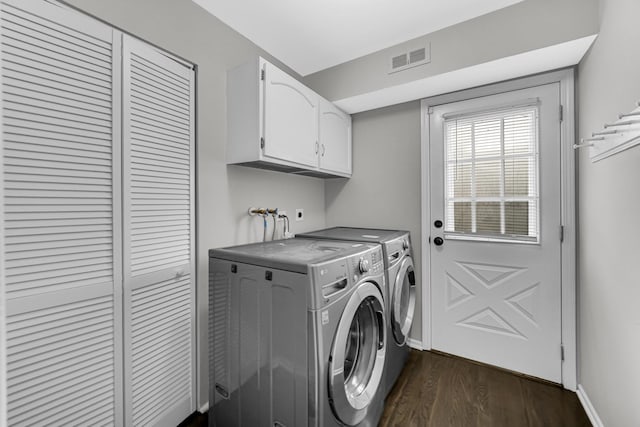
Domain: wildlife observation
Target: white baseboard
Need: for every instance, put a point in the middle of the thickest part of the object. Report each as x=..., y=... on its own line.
x=413, y=343
x=204, y=408
x=588, y=407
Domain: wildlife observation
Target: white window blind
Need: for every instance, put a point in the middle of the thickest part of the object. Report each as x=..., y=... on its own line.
x=491, y=175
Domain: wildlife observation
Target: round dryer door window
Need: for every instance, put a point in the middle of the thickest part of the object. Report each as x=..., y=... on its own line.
x=404, y=301
x=358, y=355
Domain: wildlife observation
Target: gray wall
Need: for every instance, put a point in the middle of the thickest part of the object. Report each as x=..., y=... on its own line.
x=525, y=26
x=609, y=224
x=224, y=192
x=384, y=191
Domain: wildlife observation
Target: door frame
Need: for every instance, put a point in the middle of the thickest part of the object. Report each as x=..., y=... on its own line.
x=566, y=80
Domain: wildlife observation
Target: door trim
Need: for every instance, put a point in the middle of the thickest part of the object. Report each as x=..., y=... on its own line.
x=565, y=78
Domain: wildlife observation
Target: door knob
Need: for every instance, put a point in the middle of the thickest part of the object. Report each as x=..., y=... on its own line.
x=438, y=241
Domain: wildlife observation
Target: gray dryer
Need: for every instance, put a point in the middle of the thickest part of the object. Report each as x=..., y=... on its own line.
x=401, y=283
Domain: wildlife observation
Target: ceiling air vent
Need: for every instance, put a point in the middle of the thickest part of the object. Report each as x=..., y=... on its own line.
x=417, y=55
x=410, y=59
x=399, y=61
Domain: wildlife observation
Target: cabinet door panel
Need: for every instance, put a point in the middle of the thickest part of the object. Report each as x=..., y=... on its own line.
x=159, y=227
x=61, y=244
x=335, y=139
x=291, y=119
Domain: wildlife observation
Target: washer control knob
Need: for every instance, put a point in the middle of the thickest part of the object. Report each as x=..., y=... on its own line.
x=405, y=244
x=363, y=266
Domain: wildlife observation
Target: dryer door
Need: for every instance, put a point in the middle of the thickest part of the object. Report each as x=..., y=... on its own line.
x=403, y=301
x=358, y=355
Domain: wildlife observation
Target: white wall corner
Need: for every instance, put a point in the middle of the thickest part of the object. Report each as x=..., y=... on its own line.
x=588, y=407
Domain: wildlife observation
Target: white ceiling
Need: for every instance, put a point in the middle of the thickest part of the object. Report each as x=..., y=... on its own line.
x=312, y=35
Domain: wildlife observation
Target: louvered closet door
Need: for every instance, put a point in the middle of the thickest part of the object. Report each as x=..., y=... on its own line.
x=159, y=225
x=61, y=189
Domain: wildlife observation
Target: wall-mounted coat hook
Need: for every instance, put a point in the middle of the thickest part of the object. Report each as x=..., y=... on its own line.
x=605, y=132
x=631, y=114
x=622, y=123
x=616, y=137
x=587, y=142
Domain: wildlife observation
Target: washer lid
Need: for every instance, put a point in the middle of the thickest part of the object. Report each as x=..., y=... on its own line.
x=372, y=235
x=290, y=254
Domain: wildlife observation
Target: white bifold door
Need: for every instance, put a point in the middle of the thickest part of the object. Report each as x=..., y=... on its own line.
x=159, y=232
x=97, y=222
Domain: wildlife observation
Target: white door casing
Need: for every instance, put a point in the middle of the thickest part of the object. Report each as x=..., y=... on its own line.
x=495, y=301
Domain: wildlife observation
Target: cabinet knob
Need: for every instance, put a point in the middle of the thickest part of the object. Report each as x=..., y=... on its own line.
x=323, y=150
x=316, y=147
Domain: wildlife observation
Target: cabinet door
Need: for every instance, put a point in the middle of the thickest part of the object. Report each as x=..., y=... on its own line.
x=159, y=227
x=335, y=139
x=61, y=185
x=290, y=119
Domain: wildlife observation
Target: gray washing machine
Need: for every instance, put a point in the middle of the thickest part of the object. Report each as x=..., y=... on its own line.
x=401, y=284
x=296, y=334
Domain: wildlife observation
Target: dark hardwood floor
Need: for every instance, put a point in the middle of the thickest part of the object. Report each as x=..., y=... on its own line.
x=438, y=390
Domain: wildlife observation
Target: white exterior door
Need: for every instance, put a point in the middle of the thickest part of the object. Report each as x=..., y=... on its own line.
x=495, y=230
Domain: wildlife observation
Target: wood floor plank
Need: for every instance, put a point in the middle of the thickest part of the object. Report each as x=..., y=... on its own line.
x=438, y=390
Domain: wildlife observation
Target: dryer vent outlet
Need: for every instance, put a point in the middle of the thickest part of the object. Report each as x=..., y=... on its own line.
x=299, y=214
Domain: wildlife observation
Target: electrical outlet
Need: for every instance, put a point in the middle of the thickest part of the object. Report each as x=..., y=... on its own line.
x=299, y=214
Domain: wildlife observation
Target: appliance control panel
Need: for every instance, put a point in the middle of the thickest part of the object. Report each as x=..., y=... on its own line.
x=368, y=264
x=334, y=277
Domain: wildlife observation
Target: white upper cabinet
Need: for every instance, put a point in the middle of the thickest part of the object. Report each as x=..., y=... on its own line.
x=290, y=118
x=334, y=139
x=275, y=122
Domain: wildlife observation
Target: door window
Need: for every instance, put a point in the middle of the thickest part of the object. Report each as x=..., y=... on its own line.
x=491, y=175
